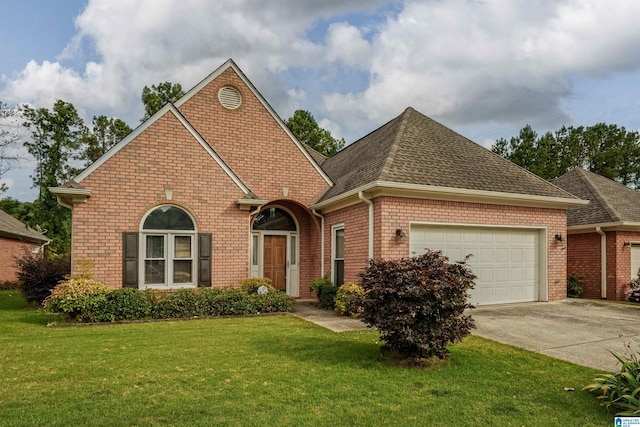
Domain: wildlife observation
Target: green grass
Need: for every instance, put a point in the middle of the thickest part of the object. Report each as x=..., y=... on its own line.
x=259, y=371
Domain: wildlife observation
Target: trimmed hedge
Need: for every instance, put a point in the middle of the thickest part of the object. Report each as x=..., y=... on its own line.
x=85, y=300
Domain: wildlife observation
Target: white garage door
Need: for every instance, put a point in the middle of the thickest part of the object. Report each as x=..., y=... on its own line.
x=505, y=260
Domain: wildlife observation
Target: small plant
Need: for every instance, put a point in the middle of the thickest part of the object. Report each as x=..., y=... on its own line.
x=326, y=292
x=40, y=273
x=349, y=299
x=620, y=391
x=633, y=290
x=574, y=285
x=418, y=305
x=79, y=299
x=10, y=285
x=252, y=285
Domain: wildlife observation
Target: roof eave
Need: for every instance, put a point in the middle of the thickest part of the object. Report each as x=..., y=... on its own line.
x=24, y=238
x=606, y=226
x=380, y=188
x=67, y=197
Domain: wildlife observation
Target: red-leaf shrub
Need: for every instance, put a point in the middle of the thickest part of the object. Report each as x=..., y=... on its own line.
x=418, y=304
x=40, y=273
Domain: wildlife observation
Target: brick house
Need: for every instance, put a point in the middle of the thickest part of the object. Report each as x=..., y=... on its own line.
x=603, y=242
x=16, y=238
x=215, y=189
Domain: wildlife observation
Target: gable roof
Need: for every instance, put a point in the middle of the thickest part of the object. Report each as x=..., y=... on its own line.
x=306, y=151
x=16, y=229
x=166, y=109
x=610, y=201
x=413, y=149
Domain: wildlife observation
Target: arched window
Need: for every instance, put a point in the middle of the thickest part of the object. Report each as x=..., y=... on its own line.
x=274, y=219
x=168, y=248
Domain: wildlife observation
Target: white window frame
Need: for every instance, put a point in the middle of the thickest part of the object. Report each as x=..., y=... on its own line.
x=334, y=229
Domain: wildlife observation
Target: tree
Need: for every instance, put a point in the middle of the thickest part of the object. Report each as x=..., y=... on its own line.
x=9, y=137
x=55, y=137
x=304, y=126
x=608, y=150
x=17, y=209
x=104, y=134
x=155, y=97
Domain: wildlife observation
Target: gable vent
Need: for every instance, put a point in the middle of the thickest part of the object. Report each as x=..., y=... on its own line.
x=229, y=97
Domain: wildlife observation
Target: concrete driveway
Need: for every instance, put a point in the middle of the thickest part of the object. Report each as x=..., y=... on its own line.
x=579, y=331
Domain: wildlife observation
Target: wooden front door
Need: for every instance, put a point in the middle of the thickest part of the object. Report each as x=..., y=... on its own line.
x=275, y=261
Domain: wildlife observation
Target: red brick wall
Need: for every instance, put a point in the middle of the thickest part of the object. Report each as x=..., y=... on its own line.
x=396, y=212
x=619, y=263
x=584, y=259
x=253, y=144
x=11, y=249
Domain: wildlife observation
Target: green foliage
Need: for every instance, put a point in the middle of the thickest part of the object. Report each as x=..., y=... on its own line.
x=607, y=150
x=104, y=134
x=418, y=304
x=182, y=303
x=10, y=285
x=123, y=304
x=349, y=299
x=304, y=126
x=79, y=298
x=620, y=391
x=155, y=97
x=251, y=286
x=40, y=273
x=19, y=210
x=326, y=292
x=574, y=285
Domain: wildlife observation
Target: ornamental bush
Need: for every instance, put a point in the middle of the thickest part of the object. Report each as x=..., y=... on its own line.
x=252, y=285
x=79, y=298
x=40, y=273
x=124, y=304
x=633, y=290
x=326, y=292
x=574, y=286
x=182, y=303
x=349, y=299
x=620, y=391
x=417, y=304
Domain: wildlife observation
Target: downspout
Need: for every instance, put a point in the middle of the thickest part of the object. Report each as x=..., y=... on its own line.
x=370, y=203
x=603, y=262
x=321, y=240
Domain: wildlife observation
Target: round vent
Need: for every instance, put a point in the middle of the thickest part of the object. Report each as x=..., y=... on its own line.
x=229, y=97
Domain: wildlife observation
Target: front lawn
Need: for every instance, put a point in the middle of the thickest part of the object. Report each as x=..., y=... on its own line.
x=274, y=370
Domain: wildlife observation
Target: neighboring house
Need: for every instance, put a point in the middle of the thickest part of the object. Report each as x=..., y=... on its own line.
x=604, y=236
x=16, y=238
x=215, y=189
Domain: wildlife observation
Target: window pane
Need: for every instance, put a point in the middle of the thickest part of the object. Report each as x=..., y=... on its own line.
x=168, y=218
x=153, y=272
x=254, y=250
x=155, y=247
x=182, y=247
x=274, y=219
x=339, y=244
x=294, y=249
x=338, y=280
x=182, y=271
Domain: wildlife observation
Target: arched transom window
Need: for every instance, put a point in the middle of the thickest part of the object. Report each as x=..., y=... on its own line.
x=168, y=248
x=274, y=219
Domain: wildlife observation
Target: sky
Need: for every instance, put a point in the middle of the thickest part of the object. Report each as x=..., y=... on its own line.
x=484, y=68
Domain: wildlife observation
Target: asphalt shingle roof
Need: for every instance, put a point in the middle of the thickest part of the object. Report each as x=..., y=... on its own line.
x=609, y=201
x=414, y=149
x=13, y=228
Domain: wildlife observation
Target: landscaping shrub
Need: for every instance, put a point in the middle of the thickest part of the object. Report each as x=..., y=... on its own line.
x=252, y=285
x=349, y=299
x=620, y=391
x=272, y=302
x=418, y=304
x=40, y=273
x=79, y=299
x=326, y=292
x=633, y=290
x=574, y=286
x=10, y=285
x=124, y=304
x=182, y=303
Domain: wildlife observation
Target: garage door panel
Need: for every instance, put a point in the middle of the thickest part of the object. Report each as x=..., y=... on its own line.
x=505, y=261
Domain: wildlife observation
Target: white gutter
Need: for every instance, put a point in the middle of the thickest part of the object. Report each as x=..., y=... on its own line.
x=603, y=262
x=321, y=241
x=370, y=203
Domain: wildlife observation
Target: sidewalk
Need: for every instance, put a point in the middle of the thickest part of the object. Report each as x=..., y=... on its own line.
x=307, y=309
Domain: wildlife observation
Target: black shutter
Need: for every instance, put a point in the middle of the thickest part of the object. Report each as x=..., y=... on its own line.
x=130, y=260
x=204, y=260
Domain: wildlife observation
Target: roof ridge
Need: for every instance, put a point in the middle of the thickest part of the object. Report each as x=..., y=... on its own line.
x=388, y=163
x=585, y=177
